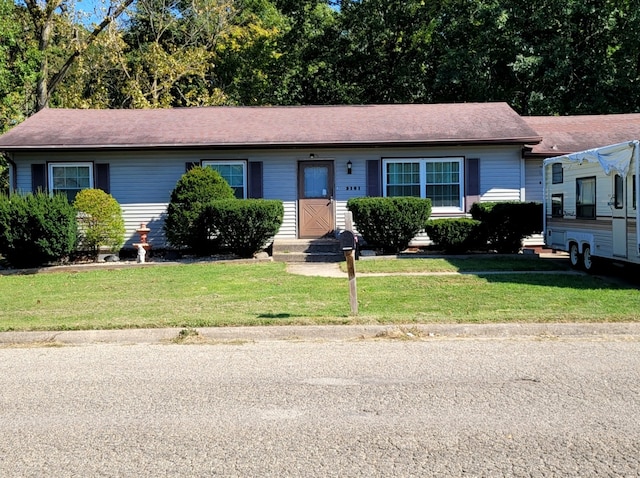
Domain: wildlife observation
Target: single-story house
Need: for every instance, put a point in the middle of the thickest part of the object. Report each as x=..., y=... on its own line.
x=313, y=158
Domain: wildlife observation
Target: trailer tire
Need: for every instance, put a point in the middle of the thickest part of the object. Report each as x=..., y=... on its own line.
x=588, y=263
x=575, y=258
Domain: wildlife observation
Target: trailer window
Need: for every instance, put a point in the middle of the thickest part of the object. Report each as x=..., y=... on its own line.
x=586, y=198
x=633, y=188
x=556, y=174
x=618, y=191
x=557, y=205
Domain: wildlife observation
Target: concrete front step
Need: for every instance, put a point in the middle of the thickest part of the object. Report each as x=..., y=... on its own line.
x=306, y=245
x=307, y=250
x=307, y=257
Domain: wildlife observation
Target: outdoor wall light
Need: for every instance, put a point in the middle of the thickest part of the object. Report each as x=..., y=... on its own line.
x=349, y=166
x=312, y=156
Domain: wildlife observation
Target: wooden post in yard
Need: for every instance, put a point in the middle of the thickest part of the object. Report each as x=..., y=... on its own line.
x=349, y=255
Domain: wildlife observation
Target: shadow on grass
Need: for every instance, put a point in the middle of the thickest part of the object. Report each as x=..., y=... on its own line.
x=508, y=263
x=604, y=280
x=277, y=316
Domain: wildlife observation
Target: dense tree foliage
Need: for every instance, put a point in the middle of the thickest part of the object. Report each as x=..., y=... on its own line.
x=541, y=56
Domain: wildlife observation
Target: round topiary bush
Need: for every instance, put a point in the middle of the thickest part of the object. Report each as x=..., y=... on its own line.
x=100, y=220
x=389, y=222
x=183, y=226
x=244, y=226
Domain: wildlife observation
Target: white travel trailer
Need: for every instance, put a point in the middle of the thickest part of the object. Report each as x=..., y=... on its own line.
x=591, y=204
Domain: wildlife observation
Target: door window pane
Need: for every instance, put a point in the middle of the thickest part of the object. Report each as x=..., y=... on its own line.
x=618, y=193
x=557, y=205
x=316, y=181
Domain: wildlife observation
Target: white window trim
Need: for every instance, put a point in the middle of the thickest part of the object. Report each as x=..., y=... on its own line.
x=423, y=178
x=214, y=162
x=50, y=167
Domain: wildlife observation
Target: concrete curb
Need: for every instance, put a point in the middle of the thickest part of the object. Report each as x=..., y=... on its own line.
x=620, y=331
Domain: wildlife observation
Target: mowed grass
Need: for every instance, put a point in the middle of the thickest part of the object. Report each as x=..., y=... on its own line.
x=227, y=294
x=461, y=264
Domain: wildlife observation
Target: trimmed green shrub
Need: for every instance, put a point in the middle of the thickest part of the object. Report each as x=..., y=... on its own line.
x=456, y=235
x=505, y=224
x=36, y=229
x=100, y=220
x=195, y=189
x=389, y=223
x=243, y=226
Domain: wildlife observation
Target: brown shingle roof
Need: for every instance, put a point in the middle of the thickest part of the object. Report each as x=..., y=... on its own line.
x=569, y=134
x=270, y=126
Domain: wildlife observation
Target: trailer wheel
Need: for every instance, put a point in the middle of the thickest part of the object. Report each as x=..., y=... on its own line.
x=574, y=255
x=587, y=259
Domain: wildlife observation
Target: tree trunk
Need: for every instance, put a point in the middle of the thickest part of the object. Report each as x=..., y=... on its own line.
x=42, y=90
x=43, y=22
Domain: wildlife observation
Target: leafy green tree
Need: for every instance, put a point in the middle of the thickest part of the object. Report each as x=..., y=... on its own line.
x=386, y=47
x=249, y=53
x=19, y=60
x=61, y=40
x=307, y=69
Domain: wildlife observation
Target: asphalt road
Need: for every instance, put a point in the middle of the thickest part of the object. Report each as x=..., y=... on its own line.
x=514, y=406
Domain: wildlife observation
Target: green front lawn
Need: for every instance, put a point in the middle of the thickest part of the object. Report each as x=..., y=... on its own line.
x=470, y=263
x=198, y=295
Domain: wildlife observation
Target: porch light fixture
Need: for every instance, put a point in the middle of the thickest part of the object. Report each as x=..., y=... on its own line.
x=349, y=166
x=312, y=156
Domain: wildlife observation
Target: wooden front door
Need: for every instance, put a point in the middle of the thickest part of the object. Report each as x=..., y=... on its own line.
x=315, y=199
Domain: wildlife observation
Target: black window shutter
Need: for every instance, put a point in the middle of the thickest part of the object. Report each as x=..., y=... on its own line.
x=189, y=166
x=255, y=180
x=38, y=177
x=472, y=177
x=373, y=178
x=102, y=178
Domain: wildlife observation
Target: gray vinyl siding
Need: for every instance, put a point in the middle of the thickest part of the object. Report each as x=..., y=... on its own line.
x=280, y=182
x=142, y=181
x=500, y=174
x=533, y=180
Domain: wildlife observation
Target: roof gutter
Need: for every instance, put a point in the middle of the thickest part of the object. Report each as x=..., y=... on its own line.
x=274, y=145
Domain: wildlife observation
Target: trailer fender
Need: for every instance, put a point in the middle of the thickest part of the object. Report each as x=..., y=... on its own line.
x=581, y=239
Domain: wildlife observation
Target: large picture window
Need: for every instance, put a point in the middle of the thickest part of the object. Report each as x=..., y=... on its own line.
x=439, y=179
x=234, y=172
x=70, y=178
x=586, y=198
